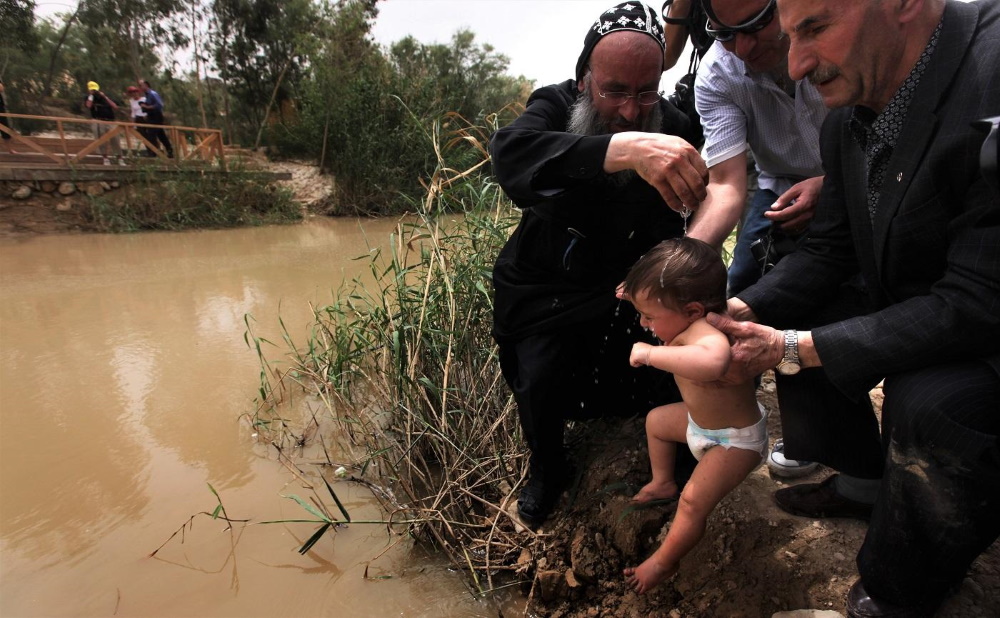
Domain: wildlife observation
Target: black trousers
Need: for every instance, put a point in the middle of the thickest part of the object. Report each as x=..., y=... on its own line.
x=939, y=501
x=157, y=136
x=938, y=454
x=818, y=421
x=577, y=373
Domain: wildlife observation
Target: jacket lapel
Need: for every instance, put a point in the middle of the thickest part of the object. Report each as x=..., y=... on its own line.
x=921, y=122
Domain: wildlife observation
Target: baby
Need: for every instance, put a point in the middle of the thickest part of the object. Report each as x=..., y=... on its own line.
x=673, y=286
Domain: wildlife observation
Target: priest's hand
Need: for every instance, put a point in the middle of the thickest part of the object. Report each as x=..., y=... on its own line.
x=668, y=163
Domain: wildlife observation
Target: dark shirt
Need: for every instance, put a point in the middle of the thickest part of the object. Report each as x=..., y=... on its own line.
x=580, y=230
x=100, y=109
x=877, y=134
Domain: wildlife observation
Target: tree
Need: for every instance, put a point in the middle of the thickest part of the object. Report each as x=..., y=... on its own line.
x=17, y=23
x=260, y=48
x=132, y=30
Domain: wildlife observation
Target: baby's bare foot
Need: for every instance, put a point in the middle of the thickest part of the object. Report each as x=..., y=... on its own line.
x=648, y=575
x=656, y=491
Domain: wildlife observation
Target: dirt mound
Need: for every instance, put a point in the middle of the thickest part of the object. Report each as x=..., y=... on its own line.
x=755, y=559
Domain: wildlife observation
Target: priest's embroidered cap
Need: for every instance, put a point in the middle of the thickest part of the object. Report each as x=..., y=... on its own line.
x=634, y=16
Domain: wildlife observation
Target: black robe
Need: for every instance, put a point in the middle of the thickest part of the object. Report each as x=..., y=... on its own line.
x=579, y=233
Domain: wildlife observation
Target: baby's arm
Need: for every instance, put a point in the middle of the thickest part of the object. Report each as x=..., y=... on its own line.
x=700, y=353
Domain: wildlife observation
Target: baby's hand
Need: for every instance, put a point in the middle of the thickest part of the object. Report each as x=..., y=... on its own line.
x=640, y=354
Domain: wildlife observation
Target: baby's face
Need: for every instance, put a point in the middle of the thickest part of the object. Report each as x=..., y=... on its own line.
x=665, y=322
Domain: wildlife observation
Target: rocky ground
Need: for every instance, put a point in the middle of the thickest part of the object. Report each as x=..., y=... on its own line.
x=755, y=560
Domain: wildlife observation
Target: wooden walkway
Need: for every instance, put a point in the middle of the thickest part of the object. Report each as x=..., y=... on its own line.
x=68, y=148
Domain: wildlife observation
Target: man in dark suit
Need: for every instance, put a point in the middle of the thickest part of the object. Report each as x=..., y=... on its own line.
x=899, y=281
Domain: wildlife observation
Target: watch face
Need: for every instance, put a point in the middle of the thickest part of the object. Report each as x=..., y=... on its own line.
x=788, y=369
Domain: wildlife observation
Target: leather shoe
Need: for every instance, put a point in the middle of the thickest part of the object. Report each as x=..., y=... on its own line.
x=536, y=502
x=818, y=500
x=541, y=493
x=861, y=605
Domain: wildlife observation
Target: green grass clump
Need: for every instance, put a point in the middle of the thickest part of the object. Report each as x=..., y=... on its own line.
x=209, y=200
x=404, y=364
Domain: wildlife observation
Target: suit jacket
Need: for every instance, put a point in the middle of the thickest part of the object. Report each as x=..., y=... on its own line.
x=931, y=259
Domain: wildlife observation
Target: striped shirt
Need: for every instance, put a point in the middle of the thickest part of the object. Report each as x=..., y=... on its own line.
x=741, y=110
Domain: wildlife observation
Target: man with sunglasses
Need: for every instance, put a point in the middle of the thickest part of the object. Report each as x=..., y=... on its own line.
x=904, y=202
x=747, y=101
x=602, y=168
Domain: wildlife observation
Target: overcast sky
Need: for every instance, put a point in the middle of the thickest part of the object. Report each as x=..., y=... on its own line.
x=542, y=38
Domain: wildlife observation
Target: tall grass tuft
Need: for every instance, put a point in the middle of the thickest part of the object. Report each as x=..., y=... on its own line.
x=405, y=366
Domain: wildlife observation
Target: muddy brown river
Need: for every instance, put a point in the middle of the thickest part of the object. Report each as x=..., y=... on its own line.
x=123, y=375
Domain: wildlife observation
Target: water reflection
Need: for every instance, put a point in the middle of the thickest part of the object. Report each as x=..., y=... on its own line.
x=123, y=372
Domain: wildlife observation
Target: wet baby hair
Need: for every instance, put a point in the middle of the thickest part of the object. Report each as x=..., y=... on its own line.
x=679, y=271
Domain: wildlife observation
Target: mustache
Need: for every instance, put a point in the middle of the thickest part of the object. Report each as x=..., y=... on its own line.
x=822, y=74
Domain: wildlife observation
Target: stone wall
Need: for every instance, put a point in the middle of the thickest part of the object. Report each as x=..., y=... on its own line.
x=49, y=207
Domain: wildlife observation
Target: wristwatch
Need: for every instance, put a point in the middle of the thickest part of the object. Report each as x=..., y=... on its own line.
x=789, y=364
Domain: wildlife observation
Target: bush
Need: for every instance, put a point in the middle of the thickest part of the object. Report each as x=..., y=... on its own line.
x=211, y=200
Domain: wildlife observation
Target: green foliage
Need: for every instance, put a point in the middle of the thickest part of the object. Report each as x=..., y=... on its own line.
x=303, y=77
x=213, y=200
x=404, y=363
x=17, y=25
x=261, y=48
x=128, y=32
x=364, y=113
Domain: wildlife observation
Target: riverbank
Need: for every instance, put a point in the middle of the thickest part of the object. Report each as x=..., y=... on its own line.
x=754, y=561
x=66, y=208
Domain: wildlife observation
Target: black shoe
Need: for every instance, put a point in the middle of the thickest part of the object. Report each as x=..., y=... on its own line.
x=541, y=493
x=861, y=605
x=536, y=502
x=818, y=500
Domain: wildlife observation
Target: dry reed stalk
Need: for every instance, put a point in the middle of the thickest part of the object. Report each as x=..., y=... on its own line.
x=407, y=371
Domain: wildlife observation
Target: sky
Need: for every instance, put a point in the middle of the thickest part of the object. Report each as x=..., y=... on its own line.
x=541, y=38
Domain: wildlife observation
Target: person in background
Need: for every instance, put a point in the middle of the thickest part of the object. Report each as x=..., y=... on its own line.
x=102, y=109
x=153, y=106
x=673, y=287
x=683, y=20
x=602, y=169
x=135, y=101
x=905, y=202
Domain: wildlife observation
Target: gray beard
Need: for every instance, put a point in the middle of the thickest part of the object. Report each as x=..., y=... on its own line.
x=584, y=120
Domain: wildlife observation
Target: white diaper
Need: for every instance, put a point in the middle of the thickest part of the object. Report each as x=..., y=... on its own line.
x=752, y=438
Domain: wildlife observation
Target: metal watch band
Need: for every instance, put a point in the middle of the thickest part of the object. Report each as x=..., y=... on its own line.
x=791, y=347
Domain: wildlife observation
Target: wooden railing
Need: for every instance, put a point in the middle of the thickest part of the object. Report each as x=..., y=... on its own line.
x=67, y=144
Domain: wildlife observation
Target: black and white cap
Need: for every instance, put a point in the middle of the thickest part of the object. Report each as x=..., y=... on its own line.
x=634, y=16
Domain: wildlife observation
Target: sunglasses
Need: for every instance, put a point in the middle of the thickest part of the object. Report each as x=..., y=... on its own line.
x=754, y=24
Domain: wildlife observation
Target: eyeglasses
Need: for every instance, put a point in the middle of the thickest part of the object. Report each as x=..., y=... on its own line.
x=649, y=97
x=754, y=24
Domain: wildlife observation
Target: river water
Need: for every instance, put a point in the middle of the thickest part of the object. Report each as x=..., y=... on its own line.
x=123, y=375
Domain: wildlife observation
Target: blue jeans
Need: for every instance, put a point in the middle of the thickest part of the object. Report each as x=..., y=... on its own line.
x=744, y=270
